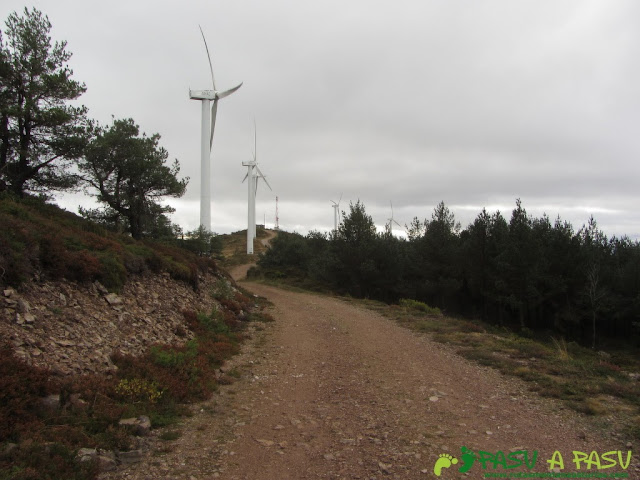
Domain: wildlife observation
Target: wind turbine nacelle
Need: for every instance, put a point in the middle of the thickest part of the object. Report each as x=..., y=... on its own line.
x=202, y=94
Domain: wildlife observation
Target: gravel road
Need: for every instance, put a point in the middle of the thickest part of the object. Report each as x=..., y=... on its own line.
x=333, y=390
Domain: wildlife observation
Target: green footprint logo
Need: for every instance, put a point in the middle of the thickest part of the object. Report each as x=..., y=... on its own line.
x=445, y=461
x=468, y=458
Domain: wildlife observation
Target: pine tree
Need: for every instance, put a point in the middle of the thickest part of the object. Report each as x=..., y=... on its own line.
x=41, y=135
x=127, y=173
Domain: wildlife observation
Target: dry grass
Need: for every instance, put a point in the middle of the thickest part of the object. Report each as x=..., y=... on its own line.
x=589, y=382
x=561, y=348
x=234, y=247
x=594, y=406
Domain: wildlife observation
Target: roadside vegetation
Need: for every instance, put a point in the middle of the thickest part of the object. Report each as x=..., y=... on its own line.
x=39, y=240
x=605, y=385
x=40, y=437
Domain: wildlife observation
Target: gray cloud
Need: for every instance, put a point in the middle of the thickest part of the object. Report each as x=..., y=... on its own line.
x=473, y=103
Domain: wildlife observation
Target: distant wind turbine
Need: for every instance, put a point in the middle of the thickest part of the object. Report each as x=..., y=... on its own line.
x=336, y=207
x=253, y=174
x=391, y=220
x=206, y=141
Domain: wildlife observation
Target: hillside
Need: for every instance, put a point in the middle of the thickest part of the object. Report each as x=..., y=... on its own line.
x=74, y=293
x=98, y=327
x=234, y=246
x=42, y=242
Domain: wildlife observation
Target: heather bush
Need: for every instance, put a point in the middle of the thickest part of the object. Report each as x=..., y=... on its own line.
x=36, y=461
x=231, y=305
x=113, y=274
x=186, y=372
x=242, y=298
x=21, y=388
x=43, y=239
x=182, y=373
x=156, y=384
x=174, y=357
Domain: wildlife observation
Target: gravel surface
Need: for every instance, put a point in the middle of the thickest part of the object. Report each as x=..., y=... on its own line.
x=333, y=390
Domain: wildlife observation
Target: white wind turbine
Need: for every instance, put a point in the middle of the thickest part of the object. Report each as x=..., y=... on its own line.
x=253, y=173
x=336, y=214
x=206, y=140
x=391, y=220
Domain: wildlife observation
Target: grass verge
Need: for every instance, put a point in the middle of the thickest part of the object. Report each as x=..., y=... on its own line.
x=595, y=383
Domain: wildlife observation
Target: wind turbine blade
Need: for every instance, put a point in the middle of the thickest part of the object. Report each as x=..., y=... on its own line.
x=255, y=141
x=340, y=198
x=214, y=112
x=226, y=93
x=397, y=224
x=245, y=177
x=261, y=175
x=213, y=80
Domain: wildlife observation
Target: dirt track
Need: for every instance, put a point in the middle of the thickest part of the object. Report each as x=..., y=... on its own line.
x=332, y=390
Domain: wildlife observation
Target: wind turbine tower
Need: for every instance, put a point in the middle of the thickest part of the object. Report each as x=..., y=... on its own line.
x=336, y=214
x=253, y=174
x=206, y=140
x=250, y=202
x=391, y=220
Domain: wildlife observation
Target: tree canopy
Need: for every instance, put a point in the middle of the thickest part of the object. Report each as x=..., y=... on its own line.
x=127, y=172
x=41, y=134
x=528, y=273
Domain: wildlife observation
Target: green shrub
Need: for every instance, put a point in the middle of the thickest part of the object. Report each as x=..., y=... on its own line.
x=174, y=357
x=214, y=322
x=419, y=306
x=113, y=274
x=222, y=290
x=138, y=390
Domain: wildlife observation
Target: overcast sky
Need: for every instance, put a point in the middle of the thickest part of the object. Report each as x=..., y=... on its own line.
x=475, y=103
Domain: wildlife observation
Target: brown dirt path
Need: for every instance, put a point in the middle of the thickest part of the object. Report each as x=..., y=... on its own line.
x=341, y=392
x=240, y=271
x=333, y=390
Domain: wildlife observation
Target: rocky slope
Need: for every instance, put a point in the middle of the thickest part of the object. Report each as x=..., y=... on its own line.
x=74, y=328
